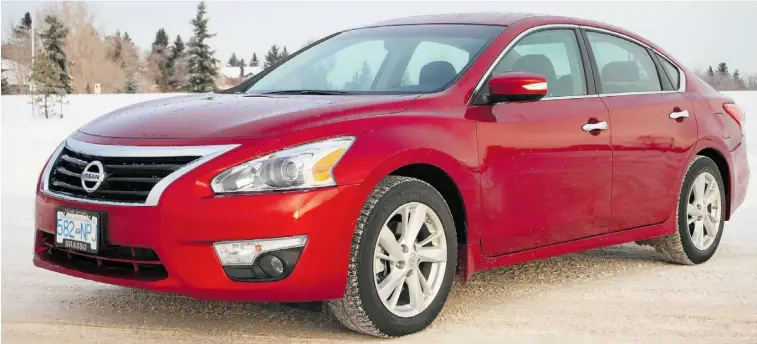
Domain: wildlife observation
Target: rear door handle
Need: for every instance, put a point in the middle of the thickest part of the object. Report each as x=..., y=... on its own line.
x=595, y=126
x=679, y=114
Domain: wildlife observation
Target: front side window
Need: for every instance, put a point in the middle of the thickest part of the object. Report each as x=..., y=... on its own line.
x=383, y=60
x=623, y=66
x=553, y=54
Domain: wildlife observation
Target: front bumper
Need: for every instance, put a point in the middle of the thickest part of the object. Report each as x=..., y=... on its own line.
x=182, y=229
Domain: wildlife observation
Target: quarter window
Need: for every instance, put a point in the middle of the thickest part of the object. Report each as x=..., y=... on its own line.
x=623, y=66
x=672, y=71
x=553, y=54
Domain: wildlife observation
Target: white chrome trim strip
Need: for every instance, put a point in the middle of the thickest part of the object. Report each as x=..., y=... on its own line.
x=205, y=152
x=682, y=76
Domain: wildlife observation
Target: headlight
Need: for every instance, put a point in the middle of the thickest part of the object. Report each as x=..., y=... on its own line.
x=301, y=167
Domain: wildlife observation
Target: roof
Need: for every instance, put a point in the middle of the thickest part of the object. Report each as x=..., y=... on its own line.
x=486, y=18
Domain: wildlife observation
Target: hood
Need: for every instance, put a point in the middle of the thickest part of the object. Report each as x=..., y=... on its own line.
x=236, y=115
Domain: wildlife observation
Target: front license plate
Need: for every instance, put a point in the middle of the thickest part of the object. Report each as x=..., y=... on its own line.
x=77, y=230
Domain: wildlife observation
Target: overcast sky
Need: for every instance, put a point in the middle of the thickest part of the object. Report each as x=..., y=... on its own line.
x=697, y=33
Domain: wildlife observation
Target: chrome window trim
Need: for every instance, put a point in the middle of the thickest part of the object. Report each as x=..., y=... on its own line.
x=519, y=37
x=205, y=152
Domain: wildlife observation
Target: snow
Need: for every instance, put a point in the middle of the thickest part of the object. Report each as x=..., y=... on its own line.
x=579, y=296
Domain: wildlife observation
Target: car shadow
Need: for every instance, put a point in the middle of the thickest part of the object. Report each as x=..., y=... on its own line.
x=124, y=307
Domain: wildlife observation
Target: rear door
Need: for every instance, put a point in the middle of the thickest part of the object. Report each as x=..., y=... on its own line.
x=653, y=128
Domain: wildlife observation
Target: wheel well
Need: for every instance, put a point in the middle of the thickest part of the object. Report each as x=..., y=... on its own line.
x=443, y=183
x=724, y=172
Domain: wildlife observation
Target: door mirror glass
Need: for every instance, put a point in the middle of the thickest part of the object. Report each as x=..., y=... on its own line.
x=517, y=87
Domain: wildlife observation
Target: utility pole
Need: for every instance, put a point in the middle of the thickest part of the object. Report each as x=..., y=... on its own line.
x=31, y=69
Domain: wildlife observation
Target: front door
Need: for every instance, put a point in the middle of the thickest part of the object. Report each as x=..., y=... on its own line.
x=545, y=176
x=653, y=129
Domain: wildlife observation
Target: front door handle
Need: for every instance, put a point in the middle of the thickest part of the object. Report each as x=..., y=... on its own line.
x=595, y=126
x=679, y=114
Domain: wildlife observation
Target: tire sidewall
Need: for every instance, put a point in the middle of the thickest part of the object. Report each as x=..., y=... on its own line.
x=699, y=166
x=402, y=193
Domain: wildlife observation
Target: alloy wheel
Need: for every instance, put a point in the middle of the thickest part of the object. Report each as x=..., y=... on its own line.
x=704, y=211
x=410, y=259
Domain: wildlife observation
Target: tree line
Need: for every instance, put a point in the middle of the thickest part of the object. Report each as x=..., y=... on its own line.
x=722, y=79
x=72, y=56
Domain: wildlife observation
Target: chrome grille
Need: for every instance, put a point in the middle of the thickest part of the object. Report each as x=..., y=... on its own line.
x=127, y=179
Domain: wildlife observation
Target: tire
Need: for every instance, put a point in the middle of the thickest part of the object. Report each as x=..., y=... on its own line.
x=682, y=246
x=362, y=309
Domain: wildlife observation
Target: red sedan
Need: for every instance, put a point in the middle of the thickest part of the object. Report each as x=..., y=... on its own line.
x=371, y=167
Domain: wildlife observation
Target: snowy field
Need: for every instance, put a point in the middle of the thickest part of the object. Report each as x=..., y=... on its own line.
x=618, y=294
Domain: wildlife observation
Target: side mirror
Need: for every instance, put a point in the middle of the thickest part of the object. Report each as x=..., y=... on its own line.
x=517, y=87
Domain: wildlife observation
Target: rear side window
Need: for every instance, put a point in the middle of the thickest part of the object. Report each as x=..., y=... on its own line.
x=623, y=66
x=673, y=73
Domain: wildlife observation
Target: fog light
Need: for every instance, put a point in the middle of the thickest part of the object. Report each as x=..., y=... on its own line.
x=244, y=252
x=272, y=265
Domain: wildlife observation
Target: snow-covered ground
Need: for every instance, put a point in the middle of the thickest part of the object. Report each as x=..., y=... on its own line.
x=618, y=294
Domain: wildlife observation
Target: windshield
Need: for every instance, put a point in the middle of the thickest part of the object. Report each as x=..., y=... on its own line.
x=386, y=60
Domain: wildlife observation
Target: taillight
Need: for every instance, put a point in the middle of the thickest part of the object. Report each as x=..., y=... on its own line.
x=735, y=112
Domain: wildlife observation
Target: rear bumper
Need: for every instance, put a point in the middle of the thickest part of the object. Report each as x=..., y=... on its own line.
x=182, y=229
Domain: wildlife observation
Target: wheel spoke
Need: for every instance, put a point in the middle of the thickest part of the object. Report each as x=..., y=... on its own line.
x=385, y=257
x=417, y=218
x=432, y=254
x=425, y=287
x=415, y=292
x=692, y=210
x=709, y=226
x=429, y=239
x=697, y=237
x=390, y=283
x=698, y=191
x=397, y=292
x=712, y=194
x=389, y=243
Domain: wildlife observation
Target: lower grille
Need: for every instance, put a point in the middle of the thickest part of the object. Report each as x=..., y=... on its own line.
x=125, y=179
x=133, y=263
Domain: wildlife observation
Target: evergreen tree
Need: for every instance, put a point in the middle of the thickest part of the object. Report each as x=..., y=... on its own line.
x=53, y=40
x=202, y=64
x=26, y=22
x=241, y=65
x=126, y=37
x=159, y=58
x=710, y=72
x=271, y=57
x=23, y=28
x=723, y=69
x=161, y=39
x=284, y=54
x=254, y=61
x=47, y=82
x=131, y=84
x=6, y=88
x=738, y=81
x=116, y=49
x=233, y=61
x=176, y=64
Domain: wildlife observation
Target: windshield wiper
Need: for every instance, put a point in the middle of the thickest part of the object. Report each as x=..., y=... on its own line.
x=315, y=92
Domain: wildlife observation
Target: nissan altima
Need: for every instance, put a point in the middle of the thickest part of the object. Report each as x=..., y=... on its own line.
x=372, y=167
